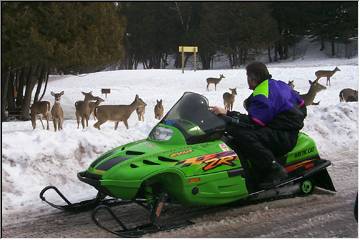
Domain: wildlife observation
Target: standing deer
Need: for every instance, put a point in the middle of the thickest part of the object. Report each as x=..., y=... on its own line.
x=348, y=95
x=291, y=84
x=93, y=105
x=214, y=81
x=326, y=73
x=116, y=113
x=43, y=108
x=229, y=99
x=159, y=109
x=83, y=109
x=57, y=112
x=140, y=111
x=309, y=97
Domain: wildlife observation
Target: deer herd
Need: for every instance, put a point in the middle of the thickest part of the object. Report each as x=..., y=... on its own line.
x=121, y=113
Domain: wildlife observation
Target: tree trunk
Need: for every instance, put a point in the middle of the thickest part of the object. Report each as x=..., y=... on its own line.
x=5, y=78
x=332, y=47
x=10, y=93
x=275, y=53
x=30, y=84
x=20, y=91
x=39, y=84
x=286, y=51
x=322, y=44
x=205, y=60
x=46, y=82
x=269, y=54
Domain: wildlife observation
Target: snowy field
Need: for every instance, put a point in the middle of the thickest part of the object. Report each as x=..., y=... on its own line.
x=33, y=159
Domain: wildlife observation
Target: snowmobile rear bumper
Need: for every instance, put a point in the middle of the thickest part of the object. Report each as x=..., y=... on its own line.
x=320, y=175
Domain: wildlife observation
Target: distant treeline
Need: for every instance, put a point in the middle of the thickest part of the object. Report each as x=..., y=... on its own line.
x=42, y=38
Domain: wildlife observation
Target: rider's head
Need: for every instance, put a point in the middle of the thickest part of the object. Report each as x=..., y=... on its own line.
x=256, y=73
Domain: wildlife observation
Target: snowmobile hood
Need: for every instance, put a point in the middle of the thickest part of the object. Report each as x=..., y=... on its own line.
x=141, y=159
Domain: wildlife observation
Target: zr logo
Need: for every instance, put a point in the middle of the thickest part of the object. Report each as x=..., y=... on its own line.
x=212, y=160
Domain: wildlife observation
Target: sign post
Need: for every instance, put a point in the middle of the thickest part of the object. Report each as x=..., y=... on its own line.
x=105, y=91
x=183, y=50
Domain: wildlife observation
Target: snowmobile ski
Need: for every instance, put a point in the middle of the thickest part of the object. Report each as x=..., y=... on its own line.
x=80, y=206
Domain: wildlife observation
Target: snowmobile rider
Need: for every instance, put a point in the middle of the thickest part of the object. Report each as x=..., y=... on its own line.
x=276, y=113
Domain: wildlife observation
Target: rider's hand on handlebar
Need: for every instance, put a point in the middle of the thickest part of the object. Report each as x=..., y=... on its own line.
x=217, y=110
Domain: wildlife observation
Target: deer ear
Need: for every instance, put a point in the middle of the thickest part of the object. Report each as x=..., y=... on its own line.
x=62, y=93
x=310, y=82
x=52, y=93
x=83, y=93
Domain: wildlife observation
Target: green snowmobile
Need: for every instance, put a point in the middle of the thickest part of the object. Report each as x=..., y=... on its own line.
x=188, y=158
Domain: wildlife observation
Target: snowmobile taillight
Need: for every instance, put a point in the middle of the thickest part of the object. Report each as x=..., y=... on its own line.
x=192, y=180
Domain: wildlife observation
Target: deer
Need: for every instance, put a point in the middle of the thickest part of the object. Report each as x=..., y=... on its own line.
x=309, y=97
x=214, y=81
x=291, y=84
x=83, y=109
x=93, y=105
x=140, y=111
x=159, y=109
x=229, y=99
x=326, y=73
x=57, y=112
x=43, y=108
x=348, y=95
x=116, y=113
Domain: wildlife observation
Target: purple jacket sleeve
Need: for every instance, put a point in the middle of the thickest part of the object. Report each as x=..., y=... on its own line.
x=260, y=111
x=299, y=101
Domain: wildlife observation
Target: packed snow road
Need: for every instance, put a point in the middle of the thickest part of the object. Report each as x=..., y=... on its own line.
x=321, y=214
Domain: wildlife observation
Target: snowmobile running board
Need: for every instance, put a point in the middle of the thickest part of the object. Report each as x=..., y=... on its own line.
x=83, y=205
x=319, y=174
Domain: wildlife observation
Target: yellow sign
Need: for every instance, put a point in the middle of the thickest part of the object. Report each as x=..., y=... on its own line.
x=188, y=49
x=183, y=50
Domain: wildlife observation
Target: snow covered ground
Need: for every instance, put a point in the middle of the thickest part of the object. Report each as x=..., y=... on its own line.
x=32, y=159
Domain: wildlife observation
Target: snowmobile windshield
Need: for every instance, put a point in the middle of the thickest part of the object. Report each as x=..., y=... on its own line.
x=192, y=117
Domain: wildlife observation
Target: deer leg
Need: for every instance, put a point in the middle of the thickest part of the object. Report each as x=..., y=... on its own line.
x=47, y=122
x=215, y=86
x=33, y=121
x=54, y=122
x=40, y=117
x=98, y=123
x=61, y=121
x=116, y=125
x=83, y=121
x=87, y=120
x=126, y=124
x=77, y=119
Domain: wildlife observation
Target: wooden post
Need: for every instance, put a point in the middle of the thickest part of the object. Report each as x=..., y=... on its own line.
x=182, y=59
x=194, y=59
